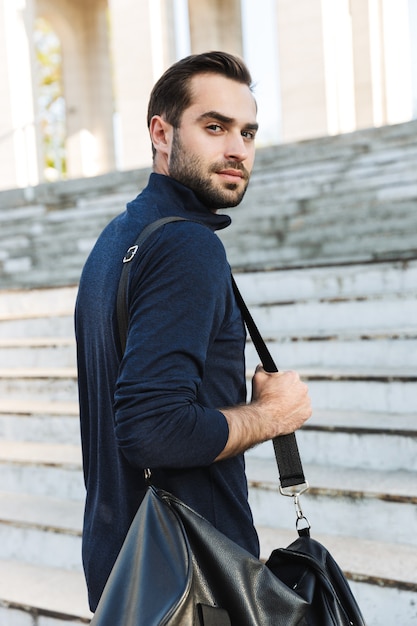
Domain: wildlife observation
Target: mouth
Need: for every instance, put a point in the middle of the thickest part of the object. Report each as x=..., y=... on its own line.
x=231, y=175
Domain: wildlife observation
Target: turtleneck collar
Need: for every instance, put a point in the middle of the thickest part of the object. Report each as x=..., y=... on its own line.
x=170, y=197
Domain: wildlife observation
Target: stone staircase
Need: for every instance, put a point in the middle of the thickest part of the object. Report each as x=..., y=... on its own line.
x=41, y=486
x=350, y=329
x=351, y=197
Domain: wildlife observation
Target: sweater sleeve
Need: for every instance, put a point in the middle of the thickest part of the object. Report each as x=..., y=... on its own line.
x=179, y=301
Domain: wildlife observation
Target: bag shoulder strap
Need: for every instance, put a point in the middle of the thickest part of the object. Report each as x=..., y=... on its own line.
x=122, y=292
x=287, y=455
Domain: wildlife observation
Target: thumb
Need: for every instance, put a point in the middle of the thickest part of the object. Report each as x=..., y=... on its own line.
x=261, y=370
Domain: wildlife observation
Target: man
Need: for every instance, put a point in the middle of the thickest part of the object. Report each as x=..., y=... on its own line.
x=175, y=401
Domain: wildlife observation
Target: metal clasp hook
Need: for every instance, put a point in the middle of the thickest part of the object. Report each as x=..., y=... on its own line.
x=130, y=254
x=300, y=515
x=148, y=476
x=295, y=491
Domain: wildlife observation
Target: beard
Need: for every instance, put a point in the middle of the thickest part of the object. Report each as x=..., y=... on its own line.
x=189, y=169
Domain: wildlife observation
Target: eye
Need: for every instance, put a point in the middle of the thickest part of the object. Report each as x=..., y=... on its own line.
x=215, y=128
x=248, y=134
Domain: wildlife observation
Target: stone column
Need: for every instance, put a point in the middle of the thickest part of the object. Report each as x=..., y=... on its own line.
x=69, y=22
x=397, y=57
x=18, y=144
x=301, y=69
x=7, y=128
x=134, y=77
x=215, y=25
x=412, y=8
x=383, y=43
x=100, y=87
x=362, y=62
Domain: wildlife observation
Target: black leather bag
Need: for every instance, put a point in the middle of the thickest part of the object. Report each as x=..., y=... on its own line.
x=307, y=567
x=176, y=569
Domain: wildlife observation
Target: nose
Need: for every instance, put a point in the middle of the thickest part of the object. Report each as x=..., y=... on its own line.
x=236, y=148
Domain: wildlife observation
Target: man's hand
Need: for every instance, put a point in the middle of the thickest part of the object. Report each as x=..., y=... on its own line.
x=280, y=405
x=282, y=399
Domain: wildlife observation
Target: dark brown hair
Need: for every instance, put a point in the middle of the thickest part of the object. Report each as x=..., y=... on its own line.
x=171, y=95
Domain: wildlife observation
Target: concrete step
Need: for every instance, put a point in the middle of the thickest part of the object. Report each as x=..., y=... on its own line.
x=339, y=280
x=44, y=469
x=333, y=223
x=298, y=217
x=41, y=327
x=41, y=530
x=364, y=390
x=359, y=439
x=333, y=172
x=341, y=351
x=259, y=252
x=336, y=295
x=281, y=285
x=45, y=596
x=382, y=390
x=341, y=501
x=30, y=303
x=397, y=349
x=350, y=281
x=40, y=352
x=309, y=222
x=334, y=163
x=53, y=384
x=366, y=503
x=324, y=318
x=375, y=441
x=33, y=420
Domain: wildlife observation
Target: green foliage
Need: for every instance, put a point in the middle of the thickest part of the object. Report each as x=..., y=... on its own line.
x=51, y=104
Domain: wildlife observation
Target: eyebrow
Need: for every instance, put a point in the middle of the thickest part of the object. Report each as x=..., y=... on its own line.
x=224, y=119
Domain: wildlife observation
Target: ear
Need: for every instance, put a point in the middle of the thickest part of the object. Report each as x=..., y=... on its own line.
x=161, y=135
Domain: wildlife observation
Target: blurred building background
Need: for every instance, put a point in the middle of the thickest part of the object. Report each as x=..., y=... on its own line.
x=76, y=75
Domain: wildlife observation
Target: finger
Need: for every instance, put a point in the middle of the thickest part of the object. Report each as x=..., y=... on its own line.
x=261, y=370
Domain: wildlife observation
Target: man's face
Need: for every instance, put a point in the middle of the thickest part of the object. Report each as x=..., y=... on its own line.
x=213, y=150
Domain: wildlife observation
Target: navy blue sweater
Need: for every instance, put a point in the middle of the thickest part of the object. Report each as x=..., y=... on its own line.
x=157, y=406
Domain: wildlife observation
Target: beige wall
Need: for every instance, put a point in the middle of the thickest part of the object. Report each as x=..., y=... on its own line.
x=301, y=68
